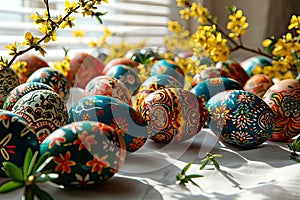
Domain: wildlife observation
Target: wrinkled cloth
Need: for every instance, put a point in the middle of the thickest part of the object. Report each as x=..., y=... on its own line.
x=262, y=173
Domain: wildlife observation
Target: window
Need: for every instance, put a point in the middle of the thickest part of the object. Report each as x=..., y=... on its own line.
x=131, y=19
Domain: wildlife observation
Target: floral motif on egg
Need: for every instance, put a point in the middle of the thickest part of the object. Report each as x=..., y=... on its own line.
x=108, y=86
x=54, y=78
x=126, y=75
x=240, y=118
x=84, y=153
x=127, y=122
x=16, y=136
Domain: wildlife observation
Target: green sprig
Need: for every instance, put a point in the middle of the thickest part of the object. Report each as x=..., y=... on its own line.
x=183, y=178
x=27, y=177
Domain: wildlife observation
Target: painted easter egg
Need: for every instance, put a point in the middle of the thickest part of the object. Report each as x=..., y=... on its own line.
x=8, y=81
x=120, y=61
x=108, y=86
x=250, y=64
x=123, y=118
x=284, y=100
x=54, y=78
x=173, y=115
x=16, y=136
x=207, y=73
x=83, y=68
x=235, y=70
x=298, y=77
x=21, y=90
x=84, y=153
x=27, y=64
x=258, y=84
x=240, y=118
x=210, y=87
x=152, y=84
x=44, y=110
x=126, y=75
x=169, y=67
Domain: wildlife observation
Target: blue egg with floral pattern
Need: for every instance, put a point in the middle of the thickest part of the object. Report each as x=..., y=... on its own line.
x=240, y=118
x=127, y=75
x=123, y=118
x=169, y=67
x=84, y=153
x=54, y=78
x=16, y=136
x=212, y=86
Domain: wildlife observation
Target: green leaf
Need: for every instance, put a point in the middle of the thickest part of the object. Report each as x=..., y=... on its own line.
x=27, y=160
x=40, y=161
x=195, y=184
x=216, y=164
x=231, y=9
x=32, y=163
x=194, y=176
x=46, y=177
x=186, y=168
x=10, y=186
x=13, y=171
x=204, y=164
x=41, y=194
x=43, y=164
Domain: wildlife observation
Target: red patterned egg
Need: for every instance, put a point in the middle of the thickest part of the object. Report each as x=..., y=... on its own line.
x=173, y=114
x=258, y=84
x=235, y=70
x=21, y=90
x=84, y=153
x=44, y=110
x=8, y=81
x=108, y=86
x=83, y=68
x=54, y=78
x=30, y=63
x=152, y=84
x=284, y=100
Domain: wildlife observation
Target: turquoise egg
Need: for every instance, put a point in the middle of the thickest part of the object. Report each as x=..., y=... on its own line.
x=251, y=63
x=21, y=90
x=126, y=75
x=84, y=153
x=210, y=87
x=16, y=136
x=298, y=77
x=240, y=118
x=168, y=67
x=54, y=78
x=123, y=118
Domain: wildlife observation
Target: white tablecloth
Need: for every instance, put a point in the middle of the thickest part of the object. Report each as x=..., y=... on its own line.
x=262, y=173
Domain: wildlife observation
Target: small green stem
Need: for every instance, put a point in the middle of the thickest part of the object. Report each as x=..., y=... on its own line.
x=28, y=194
